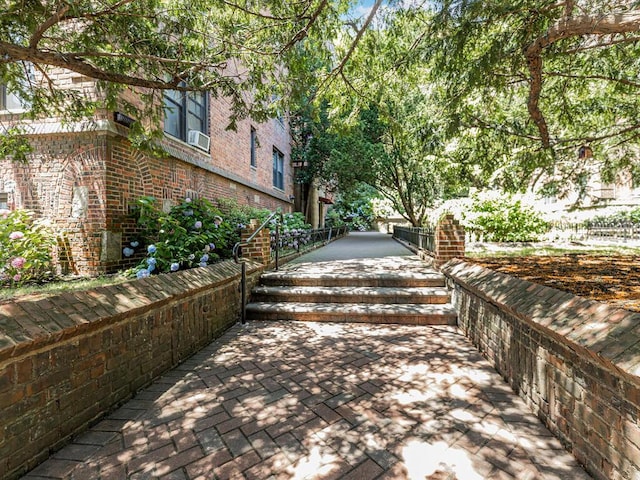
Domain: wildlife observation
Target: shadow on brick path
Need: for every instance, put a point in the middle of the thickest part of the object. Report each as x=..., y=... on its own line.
x=289, y=400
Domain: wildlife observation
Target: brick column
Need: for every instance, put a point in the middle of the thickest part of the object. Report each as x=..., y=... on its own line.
x=449, y=240
x=260, y=247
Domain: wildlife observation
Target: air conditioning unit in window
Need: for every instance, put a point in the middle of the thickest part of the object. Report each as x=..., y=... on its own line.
x=198, y=139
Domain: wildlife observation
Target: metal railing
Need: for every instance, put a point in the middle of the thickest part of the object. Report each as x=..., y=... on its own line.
x=297, y=241
x=276, y=218
x=290, y=242
x=599, y=230
x=420, y=237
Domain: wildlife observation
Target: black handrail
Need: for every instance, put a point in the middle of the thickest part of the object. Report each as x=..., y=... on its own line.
x=237, y=248
x=237, y=256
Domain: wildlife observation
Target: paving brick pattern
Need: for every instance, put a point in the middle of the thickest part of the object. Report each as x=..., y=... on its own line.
x=293, y=400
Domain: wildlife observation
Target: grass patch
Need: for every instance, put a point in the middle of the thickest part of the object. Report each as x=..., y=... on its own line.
x=61, y=286
x=487, y=250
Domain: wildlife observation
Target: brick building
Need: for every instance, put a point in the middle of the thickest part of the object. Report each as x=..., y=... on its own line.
x=84, y=177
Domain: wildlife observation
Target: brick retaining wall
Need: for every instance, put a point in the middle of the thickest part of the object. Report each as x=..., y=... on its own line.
x=576, y=362
x=67, y=360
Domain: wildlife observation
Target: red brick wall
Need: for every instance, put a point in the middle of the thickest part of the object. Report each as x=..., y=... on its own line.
x=113, y=175
x=449, y=240
x=575, y=362
x=232, y=150
x=46, y=186
x=95, y=160
x=67, y=360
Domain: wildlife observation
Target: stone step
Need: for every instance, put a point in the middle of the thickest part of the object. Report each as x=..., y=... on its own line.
x=360, y=279
x=408, y=313
x=386, y=295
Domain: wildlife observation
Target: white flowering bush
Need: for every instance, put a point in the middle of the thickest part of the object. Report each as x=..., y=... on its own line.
x=25, y=249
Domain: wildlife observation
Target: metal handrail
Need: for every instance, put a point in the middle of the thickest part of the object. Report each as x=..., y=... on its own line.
x=237, y=256
x=237, y=248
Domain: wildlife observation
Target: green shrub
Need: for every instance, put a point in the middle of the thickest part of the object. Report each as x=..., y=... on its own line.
x=237, y=217
x=193, y=233
x=356, y=213
x=505, y=220
x=615, y=219
x=25, y=249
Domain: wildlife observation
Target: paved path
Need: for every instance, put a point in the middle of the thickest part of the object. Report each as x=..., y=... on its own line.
x=289, y=400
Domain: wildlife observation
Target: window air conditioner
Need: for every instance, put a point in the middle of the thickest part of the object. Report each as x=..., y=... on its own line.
x=198, y=139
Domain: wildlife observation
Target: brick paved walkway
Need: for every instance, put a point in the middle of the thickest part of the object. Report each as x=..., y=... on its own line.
x=287, y=400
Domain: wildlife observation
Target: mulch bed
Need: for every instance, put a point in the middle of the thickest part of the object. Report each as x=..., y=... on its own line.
x=613, y=279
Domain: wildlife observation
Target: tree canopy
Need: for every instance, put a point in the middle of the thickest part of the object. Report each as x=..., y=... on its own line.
x=542, y=78
x=255, y=53
x=459, y=93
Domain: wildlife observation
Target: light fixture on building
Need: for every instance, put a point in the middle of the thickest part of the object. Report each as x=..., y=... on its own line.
x=123, y=119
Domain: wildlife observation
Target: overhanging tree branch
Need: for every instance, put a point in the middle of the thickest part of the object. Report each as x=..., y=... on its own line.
x=568, y=27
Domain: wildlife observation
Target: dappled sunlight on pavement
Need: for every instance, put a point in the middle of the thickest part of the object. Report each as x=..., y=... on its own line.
x=290, y=400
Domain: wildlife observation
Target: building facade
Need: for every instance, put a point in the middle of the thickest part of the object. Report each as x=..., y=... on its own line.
x=86, y=177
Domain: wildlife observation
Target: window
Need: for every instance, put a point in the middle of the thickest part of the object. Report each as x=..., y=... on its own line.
x=8, y=100
x=4, y=201
x=184, y=111
x=278, y=169
x=254, y=145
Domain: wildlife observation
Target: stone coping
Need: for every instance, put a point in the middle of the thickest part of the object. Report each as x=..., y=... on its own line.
x=608, y=335
x=26, y=323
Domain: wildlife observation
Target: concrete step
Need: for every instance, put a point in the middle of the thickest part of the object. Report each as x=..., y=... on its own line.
x=408, y=313
x=359, y=279
x=386, y=295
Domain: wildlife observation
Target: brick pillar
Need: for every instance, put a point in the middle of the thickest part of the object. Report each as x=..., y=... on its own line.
x=260, y=247
x=449, y=240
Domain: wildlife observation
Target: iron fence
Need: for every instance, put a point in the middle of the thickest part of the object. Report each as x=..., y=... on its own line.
x=421, y=237
x=296, y=241
x=599, y=230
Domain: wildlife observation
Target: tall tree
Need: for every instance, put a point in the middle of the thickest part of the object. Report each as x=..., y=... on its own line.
x=543, y=77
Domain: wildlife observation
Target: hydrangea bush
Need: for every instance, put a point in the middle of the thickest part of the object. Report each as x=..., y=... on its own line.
x=196, y=233
x=191, y=234
x=295, y=232
x=25, y=249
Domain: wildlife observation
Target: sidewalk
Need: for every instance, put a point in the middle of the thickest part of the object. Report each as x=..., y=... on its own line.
x=295, y=400
x=357, y=245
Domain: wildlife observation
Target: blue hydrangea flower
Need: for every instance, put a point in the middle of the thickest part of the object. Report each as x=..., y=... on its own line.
x=198, y=224
x=204, y=258
x=151, y=261
x=151, y=249
x=187, y=200
x=127, y=252
x=175, y=266
x=144, y=273
x=192, y=256
x=203, y=264
x=187, y=213
x=212, y=246
x=134, y=244
x=151, y=267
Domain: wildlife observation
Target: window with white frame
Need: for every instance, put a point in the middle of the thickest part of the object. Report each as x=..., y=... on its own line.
x=4, y=201
x=185, y=111
x=278, y=169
